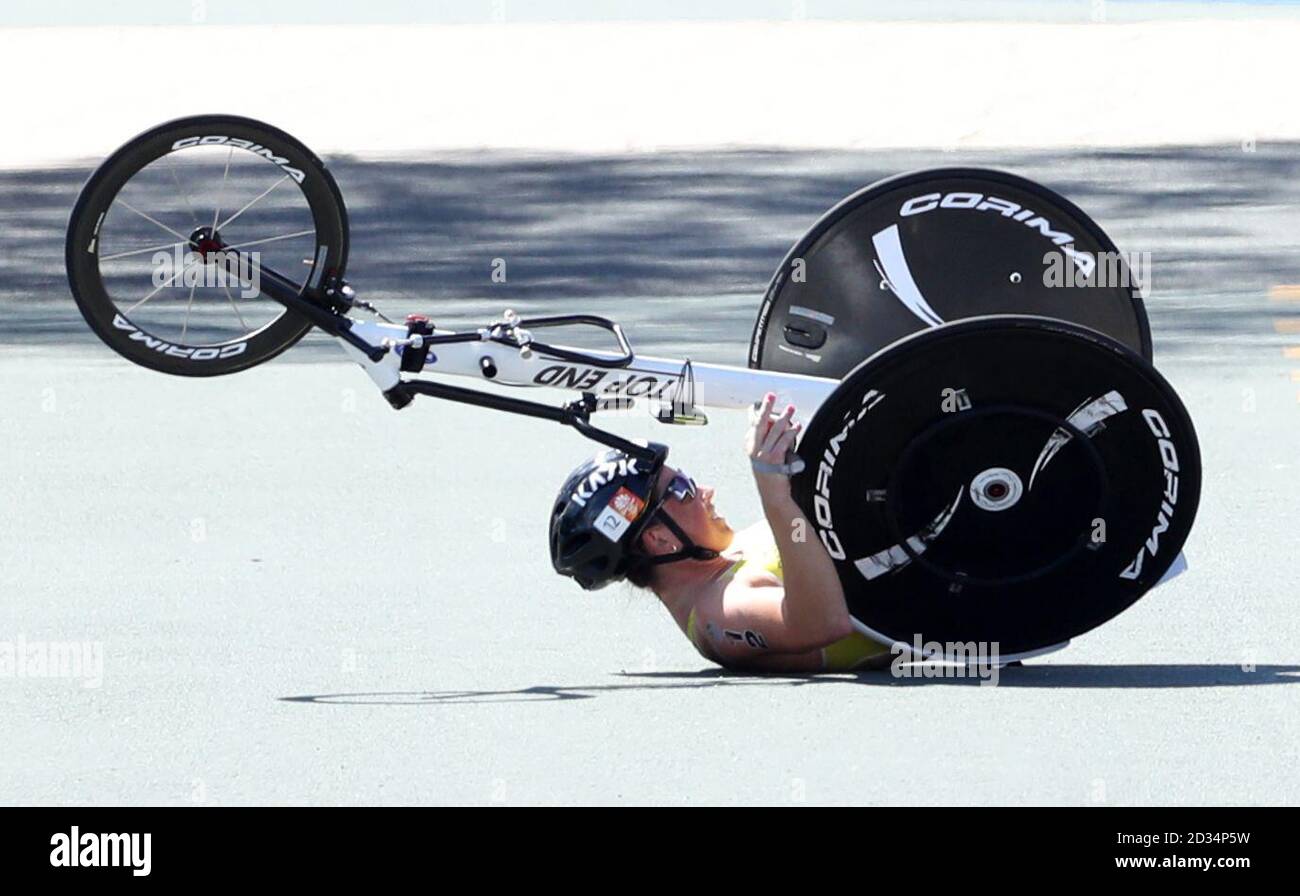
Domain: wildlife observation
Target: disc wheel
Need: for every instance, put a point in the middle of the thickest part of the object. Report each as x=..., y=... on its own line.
x=146, y=240
x=922, y=249
x=1010, y=480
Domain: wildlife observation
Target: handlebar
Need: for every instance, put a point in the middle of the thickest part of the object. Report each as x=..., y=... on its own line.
x=566, y=354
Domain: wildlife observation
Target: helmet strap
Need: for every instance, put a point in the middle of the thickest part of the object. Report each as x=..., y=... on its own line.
x=690, y=550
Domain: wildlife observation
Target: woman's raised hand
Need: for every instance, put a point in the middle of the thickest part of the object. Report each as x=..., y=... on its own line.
x=769, y=442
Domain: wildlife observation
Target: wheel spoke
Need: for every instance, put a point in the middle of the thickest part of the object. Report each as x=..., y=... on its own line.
x=171, y=166
x=152, y=220
x=257, y=199
x=141, y=251
x=221, y=193
x=226, y=287
x=185, y=325
x=269, y=239
x=159, y=288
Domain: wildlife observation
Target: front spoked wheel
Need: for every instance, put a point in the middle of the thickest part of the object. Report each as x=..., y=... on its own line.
x=170, y=237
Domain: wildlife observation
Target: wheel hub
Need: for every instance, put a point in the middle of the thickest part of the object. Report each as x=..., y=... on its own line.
x=205, y=240
x=996, y=488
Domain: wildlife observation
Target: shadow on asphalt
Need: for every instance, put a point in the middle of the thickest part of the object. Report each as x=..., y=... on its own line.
x=633, y=237
x=1125, y=676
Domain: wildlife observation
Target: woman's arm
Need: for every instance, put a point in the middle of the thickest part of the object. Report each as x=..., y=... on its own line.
x=814, y=603
x=759, y=621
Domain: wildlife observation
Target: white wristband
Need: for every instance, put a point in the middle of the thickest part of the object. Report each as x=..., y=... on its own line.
x=794, y=465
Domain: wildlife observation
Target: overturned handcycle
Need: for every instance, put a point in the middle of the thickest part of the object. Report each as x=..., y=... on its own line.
x=991, y=455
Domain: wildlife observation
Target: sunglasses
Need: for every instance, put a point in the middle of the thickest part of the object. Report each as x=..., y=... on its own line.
x=682, y=487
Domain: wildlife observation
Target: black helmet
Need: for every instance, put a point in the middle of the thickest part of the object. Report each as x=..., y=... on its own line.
x=601, y=511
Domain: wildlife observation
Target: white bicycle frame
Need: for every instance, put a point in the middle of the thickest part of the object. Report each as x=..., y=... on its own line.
x=648, y=379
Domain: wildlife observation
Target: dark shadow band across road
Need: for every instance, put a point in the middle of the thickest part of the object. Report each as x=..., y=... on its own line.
x=649, y=238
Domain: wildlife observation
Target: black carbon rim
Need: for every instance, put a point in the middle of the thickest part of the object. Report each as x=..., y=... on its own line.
x=285, y=191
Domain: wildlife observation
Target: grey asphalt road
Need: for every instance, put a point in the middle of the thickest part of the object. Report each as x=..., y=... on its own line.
x=301, y=597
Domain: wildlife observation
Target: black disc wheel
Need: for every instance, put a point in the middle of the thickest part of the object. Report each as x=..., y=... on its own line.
x=923, y=249
x=1004, y=480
